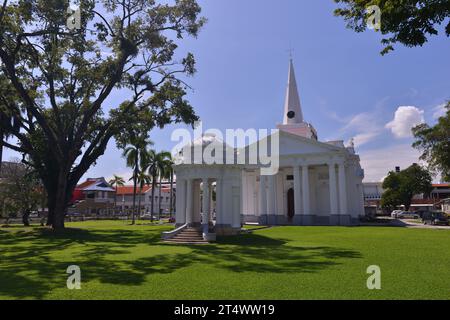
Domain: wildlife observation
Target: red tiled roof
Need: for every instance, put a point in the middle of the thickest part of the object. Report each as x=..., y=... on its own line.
x=441, y=185
x=85, y=184
x=128, y=190
x=425, y=201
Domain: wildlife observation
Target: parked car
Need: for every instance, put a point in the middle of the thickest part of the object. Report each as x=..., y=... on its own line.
x=435, y=218
x=406, y=215
x=395, y=212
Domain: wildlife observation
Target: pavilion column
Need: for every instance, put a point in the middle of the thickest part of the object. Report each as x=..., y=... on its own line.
x=219, y=201
x=342, y=190
x=189, y=201
x=211, y=200
x=206, y=202
x=334, y=206
x=271, y=210
x=297, y=191
x=262, y=196
x=305, y=189
x=181, y=202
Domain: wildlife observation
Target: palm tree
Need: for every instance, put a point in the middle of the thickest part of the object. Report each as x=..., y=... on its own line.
x=116, y=182
x=143, y=179
x=157, y=163
x=168, y=176
x=136, y=155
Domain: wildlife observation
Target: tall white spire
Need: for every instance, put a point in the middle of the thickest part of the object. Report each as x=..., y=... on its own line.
x=292, y=108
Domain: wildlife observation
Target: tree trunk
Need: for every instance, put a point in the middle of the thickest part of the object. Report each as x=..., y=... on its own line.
x=59, y=195
x=26, y=218
x=140, y=201
x=51, y=207
x=159, y=199
x=153, y=198
x=133, y=221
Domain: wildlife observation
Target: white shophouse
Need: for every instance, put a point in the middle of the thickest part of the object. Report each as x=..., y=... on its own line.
x=318, y=183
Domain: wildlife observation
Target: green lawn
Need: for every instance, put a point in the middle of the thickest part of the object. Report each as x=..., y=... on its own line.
x=119, y=261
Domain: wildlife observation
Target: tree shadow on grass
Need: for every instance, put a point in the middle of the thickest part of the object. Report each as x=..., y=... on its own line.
x=98, y=252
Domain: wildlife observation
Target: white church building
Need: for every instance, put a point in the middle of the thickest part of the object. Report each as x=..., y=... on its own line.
x=317, y=183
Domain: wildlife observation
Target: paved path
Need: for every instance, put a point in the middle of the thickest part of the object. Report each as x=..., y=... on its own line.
x=404, y=223
x=414, y=224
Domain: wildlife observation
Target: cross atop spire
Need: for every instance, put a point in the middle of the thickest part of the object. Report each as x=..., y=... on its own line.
x=292, y=108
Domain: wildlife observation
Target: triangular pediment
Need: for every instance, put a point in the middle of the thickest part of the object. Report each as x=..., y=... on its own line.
x=291, y=144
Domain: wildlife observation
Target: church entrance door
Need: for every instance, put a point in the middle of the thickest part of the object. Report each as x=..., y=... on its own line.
x=291, y=206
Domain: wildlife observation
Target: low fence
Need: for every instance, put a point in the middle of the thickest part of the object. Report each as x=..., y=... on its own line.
x=78, y=218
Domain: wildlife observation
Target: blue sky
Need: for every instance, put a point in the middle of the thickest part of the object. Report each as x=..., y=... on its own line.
x=347, y=88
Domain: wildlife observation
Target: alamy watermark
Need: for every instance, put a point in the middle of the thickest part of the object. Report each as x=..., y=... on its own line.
x=74, y=279
x=260, y=147
x=74, y=17
x=373, y=17
x=374, y=281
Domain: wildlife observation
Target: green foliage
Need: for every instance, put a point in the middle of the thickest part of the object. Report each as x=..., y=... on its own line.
x=55, y=82
x=401, y=187
x=409, y=22
x=434, y=142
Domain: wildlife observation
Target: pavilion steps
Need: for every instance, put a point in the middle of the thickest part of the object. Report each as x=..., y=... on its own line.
x=188, y=236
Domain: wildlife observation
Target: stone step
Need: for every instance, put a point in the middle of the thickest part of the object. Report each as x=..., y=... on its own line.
x=187, y=238
x=187, y=243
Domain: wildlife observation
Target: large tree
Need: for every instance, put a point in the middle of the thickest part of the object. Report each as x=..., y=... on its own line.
x=401, y=187
x=409, y=22
x=434, y=142
x=64, y=76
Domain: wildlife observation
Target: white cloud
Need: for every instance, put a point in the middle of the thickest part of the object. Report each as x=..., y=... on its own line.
x=439, y=111
x=363, y=127
x=378, y=162
x=406, y=118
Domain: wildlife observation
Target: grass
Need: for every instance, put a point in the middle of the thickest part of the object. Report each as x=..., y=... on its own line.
x=119, y=261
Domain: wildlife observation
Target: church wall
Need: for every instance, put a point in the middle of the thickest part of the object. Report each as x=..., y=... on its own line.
x=312, y=188
x=355, y=195
x=322, y=192
x=250, y=195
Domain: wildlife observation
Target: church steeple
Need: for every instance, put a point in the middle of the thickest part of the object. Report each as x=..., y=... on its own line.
x=293, y=121
x=292, y=108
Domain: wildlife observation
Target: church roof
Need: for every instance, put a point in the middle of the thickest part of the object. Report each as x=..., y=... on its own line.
x=292, y=107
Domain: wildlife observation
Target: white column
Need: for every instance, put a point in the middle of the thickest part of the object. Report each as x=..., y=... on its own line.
x=334, y=207
x=271, y=196
x=196, y=211
x=181, y=202
x=262, y=196
x=219, y=202
x=342, y=190
x=189, y=201
x=297, y=191
x=205, y=202
x=211, y=201
x=305, y=189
